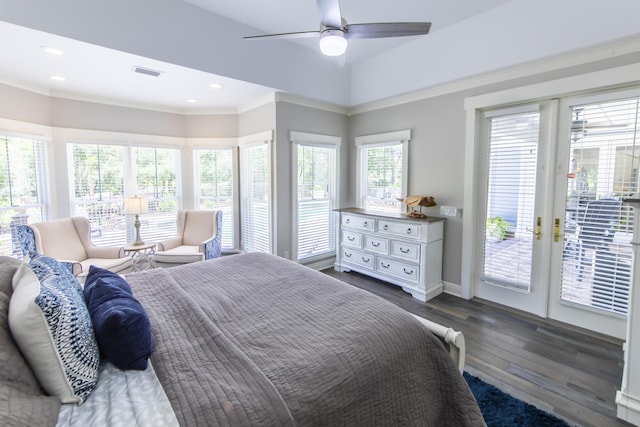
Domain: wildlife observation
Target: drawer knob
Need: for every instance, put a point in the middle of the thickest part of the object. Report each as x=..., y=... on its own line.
x=405, y=251
x=351, y=238
x=386, y=227
x=366, y=259
x=375, y=244
x=384, y=265
x=409, y=230
x=347, y=221
x=347, y=254
x=366, y=223
x=407, y=272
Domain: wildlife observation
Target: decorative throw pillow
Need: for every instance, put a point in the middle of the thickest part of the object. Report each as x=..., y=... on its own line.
x=121, y=325
x=50, y=323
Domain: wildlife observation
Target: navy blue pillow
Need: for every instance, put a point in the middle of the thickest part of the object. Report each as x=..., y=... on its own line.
x=121, y=325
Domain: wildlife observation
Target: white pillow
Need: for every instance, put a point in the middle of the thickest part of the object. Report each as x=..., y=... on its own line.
x=49, y=321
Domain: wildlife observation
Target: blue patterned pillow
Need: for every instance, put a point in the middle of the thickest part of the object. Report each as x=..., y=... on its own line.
x=50, y=322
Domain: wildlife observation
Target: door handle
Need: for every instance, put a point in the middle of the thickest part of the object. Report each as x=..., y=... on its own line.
x=556, y=230
x=538, y=230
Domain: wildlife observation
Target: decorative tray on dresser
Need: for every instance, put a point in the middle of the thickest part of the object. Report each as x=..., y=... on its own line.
x=396, y=248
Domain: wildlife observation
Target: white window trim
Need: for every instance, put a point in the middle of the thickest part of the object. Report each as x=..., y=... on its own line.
x=264, y=137
x=315, y=140
x=194, y=144
x=381, y=140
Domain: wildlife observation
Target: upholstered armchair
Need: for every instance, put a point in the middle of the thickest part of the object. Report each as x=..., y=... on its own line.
x=69, y=240
x=199, y=237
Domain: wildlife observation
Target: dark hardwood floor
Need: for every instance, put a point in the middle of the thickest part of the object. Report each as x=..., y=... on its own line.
x=571, y=373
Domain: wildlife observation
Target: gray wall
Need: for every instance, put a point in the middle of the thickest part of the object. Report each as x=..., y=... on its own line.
x=292, y=117
x=436, y=150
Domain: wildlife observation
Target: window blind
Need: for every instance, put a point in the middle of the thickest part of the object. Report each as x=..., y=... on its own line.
x=255, y=179
x=215, y=182
x=156, y=171
x=603, y=168
x=24, y=190
x=511, y=186
x=381, y=179
x=100, y=175
x=316, y=194
x=97, y=179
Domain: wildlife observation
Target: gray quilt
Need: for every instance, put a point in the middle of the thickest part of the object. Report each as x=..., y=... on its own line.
x=256, y=340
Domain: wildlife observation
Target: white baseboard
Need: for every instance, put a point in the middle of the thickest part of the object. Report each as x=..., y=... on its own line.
x=453, y=289
x=628, y=408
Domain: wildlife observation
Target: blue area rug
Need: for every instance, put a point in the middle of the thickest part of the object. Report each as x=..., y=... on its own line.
x=500, y=409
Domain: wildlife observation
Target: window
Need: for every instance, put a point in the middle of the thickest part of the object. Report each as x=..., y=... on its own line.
x=255, y=193
x=214, y=176
x=100, y=175
x=24, y=191
x=315, y=183
x=382, y=170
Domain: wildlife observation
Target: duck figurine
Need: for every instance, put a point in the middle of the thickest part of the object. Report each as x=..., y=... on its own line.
x=417, y=201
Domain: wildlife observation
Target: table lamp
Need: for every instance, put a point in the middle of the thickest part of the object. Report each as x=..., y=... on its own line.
x=136, y=205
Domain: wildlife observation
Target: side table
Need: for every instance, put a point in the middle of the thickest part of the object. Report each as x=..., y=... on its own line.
x=141, y=256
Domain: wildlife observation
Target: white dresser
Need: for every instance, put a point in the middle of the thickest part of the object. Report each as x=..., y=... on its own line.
x=395, y=248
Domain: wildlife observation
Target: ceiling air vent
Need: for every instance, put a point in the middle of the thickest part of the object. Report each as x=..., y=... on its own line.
x=147, y=71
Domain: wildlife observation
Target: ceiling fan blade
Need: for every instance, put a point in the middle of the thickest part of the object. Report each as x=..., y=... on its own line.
x=330, y=13
x=296, y=35
x=387, y=29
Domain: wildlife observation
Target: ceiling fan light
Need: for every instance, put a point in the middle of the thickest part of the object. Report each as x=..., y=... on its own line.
x=333, y=43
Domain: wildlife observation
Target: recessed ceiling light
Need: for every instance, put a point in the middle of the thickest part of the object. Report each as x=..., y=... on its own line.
x=216, y=85
x=191, y=100
x=52, y=50
x=57, y=78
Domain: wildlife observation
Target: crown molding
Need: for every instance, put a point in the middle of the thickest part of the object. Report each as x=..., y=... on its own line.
x=618, y=48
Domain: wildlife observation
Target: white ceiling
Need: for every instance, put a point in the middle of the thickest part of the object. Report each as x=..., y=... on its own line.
x=185, y=36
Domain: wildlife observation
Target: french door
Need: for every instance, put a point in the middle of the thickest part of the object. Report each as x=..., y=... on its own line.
x=556, y=238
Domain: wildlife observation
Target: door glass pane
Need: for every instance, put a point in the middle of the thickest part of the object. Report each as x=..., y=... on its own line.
x=509, y=217
x=603, y=168
x=316, y=199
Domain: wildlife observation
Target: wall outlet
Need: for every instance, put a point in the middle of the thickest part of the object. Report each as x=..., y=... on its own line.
x=450, y=211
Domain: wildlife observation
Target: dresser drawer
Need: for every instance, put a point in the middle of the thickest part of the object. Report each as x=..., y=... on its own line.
x=376, y=244
x=351, y=239
x=358, y=221
x=399, y=228
x=362, y=259
x=405, y=250
x=401, y=270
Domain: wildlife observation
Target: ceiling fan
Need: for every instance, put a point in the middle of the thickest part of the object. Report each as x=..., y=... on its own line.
x=334, y=30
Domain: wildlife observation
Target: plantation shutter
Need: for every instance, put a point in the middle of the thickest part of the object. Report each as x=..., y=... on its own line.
x=511, y=184
x=156, y=171
x=316, y=195
x=214, y=178
x=255, y=180
x=24, y=190
x=604, y=162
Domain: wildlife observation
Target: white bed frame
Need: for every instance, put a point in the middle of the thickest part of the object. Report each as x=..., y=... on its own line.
x=455, y=340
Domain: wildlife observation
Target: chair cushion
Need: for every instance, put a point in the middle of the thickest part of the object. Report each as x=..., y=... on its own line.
x=59, y=239
x=179, y=255
x=51, y=325
x=198, y=227
x=121, y=325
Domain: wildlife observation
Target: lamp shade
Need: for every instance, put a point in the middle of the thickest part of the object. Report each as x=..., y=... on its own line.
x=333, y=42
x=136, y=205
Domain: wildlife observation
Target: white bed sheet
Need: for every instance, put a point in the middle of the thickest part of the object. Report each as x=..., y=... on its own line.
x=122, y=398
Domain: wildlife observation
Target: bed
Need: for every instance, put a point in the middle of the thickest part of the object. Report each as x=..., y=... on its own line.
x=254, y=339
